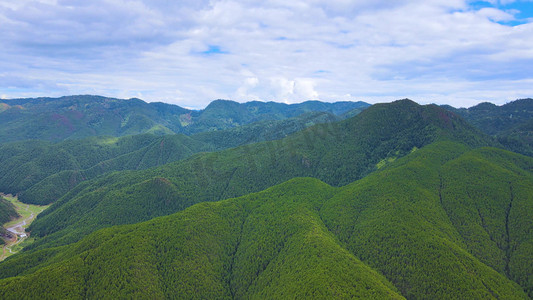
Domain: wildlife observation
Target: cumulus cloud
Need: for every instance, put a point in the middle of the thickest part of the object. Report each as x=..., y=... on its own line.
x=190, y=52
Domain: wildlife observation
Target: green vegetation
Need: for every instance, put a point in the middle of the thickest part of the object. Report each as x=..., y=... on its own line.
x=41, y=172
x=511, y=123
x=22, y=215
x=402, y=221
x=336, y=153
x=263, y=130
x=270, y=244
x=7, y=211
x=76, y=117
x=409, y=230
x=519, y=138
x=399, y=201
x=24, y=211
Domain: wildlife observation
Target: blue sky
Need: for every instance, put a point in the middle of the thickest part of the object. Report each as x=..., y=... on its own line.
x=190, y=52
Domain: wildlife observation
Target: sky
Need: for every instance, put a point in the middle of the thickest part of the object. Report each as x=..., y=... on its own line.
x=190, y=52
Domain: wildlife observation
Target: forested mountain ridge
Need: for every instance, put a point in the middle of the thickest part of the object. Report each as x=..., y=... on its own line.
x=40, y=172
x=336, y=153
x=75, y=117
x=418, y=228
x=511, y=123
x=494, y=119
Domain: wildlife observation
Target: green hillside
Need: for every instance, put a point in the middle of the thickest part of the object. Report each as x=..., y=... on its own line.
x=76, y=117
x=511, y=123
x=519, y=138
x=41, y=172
x=336, y=153
x=494, y=119
x=431, y=222
x=264, y=130
x=7, y=213
x=443, y=222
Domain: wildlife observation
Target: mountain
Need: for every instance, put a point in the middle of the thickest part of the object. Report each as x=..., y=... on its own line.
x=336, y=153
x=267, y=130
x=75, y=117
x=7, y=213
x=41, y=172
x=519, y=138
x=227, y=114
x=446, y=221
x=511, y=123
x=494, y=119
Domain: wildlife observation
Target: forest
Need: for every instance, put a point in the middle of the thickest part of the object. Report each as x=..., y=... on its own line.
x=396, y=200
x=388, y=235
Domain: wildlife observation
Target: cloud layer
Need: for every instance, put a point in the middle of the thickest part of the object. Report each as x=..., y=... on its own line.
x=191, y=52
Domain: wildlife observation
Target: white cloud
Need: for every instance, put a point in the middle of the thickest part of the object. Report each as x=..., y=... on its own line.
x=191, y=52
x=304, y=88
x=495, y=14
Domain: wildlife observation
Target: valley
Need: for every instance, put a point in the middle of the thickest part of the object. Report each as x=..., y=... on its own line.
x=397, y=200
x=291, y=150
x=16, y=228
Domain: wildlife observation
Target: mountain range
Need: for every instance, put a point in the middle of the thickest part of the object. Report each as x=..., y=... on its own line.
x=75, y=117
x=510, y=123
x=398, y=200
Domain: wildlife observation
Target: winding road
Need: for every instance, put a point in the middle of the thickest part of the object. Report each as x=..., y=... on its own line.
x=19, y=233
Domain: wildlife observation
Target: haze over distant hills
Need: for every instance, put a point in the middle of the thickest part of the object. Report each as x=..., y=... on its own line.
x=399, y=200
x=511, y=123
x=74, y=117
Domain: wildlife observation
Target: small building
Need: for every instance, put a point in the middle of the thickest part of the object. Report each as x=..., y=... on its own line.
x=23, y=235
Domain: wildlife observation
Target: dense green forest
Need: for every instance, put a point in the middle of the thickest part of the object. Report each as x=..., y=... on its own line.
x=7, y=213
x=75, y=117
x=511, y=123
x=336, y=153
x=417, y=228
x=41, y=172
x=268, y=200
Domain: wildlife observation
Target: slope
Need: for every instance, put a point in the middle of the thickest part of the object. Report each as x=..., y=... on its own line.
x=494, y=119
x=415, y=228
x=7, y=213
x=511, y=123
x=266, y=245
x=421, y=225
x=41, y=172
x=224, y=114
x=337, y=154
x=75, y=117
x=264, y=130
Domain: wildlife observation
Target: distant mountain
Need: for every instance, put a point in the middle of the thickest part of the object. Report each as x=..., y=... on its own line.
x=511, y=123
x=399, y=201
x=336, y=153
x=75, y=117
x=266, y=130
x=444, y=222
x=40, y=172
